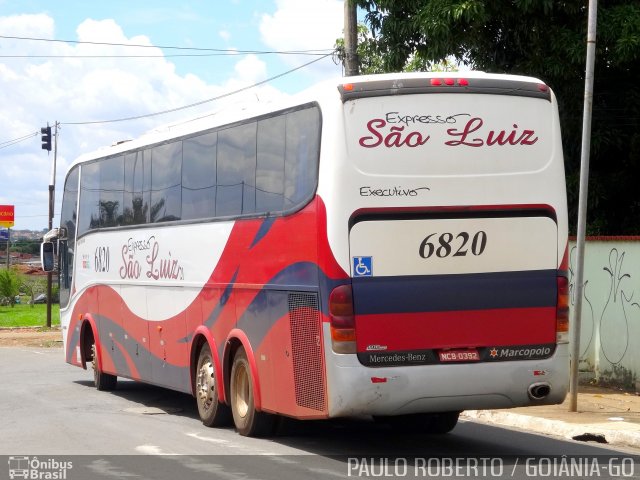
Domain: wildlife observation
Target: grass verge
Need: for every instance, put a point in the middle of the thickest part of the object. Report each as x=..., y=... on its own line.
x=28, y=315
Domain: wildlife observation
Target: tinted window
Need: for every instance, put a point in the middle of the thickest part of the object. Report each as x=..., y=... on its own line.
x=68, y=218
x=68, y=213
x=302, y=154
x=270, y=164
x=236, y=193
x=259, y=167
x=136, y=196
x=199, y=176
x=90, y=197
x=166, y=166
x=146, y=186
x=111, y=191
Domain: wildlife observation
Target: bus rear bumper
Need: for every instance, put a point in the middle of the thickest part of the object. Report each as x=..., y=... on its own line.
x=358, y=390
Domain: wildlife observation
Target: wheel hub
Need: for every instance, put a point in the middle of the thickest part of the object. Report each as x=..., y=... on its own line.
x=205, y=384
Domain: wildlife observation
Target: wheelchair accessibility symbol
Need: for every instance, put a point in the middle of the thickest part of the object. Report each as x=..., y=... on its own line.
x=362, y=266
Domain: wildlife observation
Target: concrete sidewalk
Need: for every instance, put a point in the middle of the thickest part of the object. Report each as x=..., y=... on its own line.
x=604, y=416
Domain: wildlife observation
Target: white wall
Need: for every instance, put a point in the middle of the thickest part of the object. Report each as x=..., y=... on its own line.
x=610, y=321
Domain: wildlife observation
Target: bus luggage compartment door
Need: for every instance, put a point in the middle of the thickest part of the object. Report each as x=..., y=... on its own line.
x=468, y=287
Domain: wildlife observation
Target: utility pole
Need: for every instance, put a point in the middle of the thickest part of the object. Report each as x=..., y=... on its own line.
x=350, y=39
x=8, y=242
x=582, y=205
x=52, y=189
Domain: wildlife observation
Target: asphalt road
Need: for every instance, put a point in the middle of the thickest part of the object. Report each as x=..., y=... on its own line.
x=50, y=410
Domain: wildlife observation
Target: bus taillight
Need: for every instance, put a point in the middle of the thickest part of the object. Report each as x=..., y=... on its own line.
x=343, y=331
x=562, y=310
x=438, y=82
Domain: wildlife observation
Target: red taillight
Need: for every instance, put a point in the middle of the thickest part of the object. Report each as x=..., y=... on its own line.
x=450, y=82
x=341, y=301
x=562, y=310
x=343, y=331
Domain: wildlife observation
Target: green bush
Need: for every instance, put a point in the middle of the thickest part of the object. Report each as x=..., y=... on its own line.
x=9, y=286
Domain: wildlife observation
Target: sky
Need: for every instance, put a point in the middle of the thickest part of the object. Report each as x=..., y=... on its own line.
x=77, y=79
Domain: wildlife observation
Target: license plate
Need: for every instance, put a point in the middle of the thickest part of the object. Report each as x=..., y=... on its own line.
x=467, y=355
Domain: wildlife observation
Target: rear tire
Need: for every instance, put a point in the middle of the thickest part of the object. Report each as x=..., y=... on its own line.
x=247, y=420
x=212, y=412
x=103, y=381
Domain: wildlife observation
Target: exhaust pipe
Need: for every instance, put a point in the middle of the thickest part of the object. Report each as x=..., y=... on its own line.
x=539, y=391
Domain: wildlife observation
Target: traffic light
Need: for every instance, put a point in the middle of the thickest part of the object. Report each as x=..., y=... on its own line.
x=46, y=138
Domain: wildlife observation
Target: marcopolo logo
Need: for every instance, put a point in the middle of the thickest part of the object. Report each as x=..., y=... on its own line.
x=38, y=469
x=527, y=352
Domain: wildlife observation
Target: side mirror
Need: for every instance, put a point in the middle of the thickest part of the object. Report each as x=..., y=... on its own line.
x=47, y=256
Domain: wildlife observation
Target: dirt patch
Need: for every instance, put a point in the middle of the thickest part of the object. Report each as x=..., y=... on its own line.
x=30, y=337
x=29, y=269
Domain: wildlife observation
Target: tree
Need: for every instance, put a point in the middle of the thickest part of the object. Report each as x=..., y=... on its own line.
x=32, y=286
x=371, y=62
x=9, y=286
x=546, y=39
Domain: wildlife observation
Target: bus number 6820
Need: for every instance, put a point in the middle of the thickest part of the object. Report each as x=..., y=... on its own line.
x=450, y=245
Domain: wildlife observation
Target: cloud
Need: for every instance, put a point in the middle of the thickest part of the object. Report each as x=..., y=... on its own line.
x=251, y=69
x=34, y=91
x=25, y=25
x=302, y=25
x=297, y=25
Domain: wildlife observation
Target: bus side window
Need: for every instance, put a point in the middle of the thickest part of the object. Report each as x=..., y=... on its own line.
x=302, y=153
x=65, y=273
x=66, y=244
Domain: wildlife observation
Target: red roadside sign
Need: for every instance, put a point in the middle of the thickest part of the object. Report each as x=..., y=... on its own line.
x=6, y=216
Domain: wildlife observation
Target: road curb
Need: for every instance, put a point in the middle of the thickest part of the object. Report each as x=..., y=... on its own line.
x=623, y=434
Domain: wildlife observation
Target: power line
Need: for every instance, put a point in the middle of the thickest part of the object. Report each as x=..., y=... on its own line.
x=230, y=53
x=9, y=143
x=167, y=47
x=202, y=102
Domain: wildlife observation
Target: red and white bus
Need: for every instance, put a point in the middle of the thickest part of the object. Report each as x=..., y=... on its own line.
x=390, y=245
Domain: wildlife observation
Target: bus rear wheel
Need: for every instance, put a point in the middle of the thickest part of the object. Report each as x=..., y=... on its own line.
x=103, y=381
x=212, y=412
x=248, y=421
